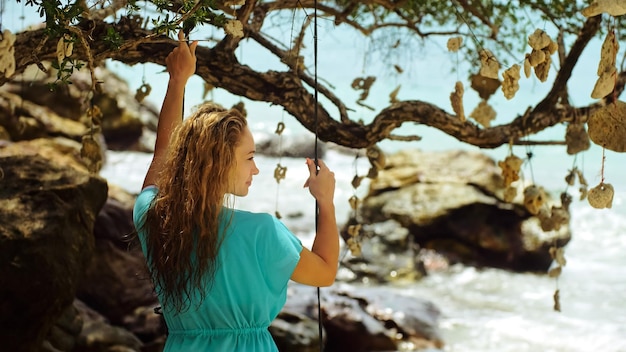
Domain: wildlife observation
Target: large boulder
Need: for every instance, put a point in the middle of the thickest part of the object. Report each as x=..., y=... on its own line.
x=116, y=281
x=356, y=319
x=38, y=105
x=451, y=202
x=46, y=242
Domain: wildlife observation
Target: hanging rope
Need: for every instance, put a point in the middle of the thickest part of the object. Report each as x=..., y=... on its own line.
x=319, y=301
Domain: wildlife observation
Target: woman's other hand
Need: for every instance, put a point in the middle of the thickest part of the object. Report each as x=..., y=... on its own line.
x=321, y=182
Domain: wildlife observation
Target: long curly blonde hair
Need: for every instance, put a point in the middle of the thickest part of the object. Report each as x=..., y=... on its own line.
x=182, y=225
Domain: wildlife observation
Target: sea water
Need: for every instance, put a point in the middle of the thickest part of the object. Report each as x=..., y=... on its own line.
x=483, y=310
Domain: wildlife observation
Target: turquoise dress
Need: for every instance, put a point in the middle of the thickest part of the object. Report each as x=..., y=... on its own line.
x=255, y=262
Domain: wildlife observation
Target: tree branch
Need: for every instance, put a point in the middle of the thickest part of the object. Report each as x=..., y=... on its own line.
x=292, y=89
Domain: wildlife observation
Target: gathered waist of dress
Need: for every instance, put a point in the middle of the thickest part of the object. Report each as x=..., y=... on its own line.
x=214, y=332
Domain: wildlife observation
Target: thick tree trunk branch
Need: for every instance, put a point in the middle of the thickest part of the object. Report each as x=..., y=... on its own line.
x=292, y=88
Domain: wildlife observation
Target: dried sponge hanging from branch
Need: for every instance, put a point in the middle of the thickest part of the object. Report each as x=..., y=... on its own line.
x=601, y=196
x=576, y=138
x=484, y=86
x=363, y=84
x=612, y=7
x=540, y=56
x=553, y=218
x=510, y=82
x=456, y=99
x=510, y=169
x=454, y=44
x=539, y=40
x=534, y=198
x=606, y=68
x=142, y=92
x=234, y=28
x=91, y=154
x=542, y=69
x=489, y=65
x=607, y=126
x=483, y=114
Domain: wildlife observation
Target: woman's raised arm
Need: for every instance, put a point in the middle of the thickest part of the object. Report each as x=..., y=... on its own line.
x=181, y=64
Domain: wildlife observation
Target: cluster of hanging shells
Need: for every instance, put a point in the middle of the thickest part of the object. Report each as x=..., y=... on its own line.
x=377, y=160
x=487, y=81
x=606, y=125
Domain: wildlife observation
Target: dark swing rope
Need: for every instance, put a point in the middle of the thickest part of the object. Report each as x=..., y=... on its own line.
x=319, y=303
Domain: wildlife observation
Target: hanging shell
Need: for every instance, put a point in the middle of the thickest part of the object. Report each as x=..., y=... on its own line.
x=510, y=82
x=539, y=58
x=607, y=71
x=356, y=181
x=456, y=99
x=280, y=172
x=601, y=196
x=608, y=53
x=566, y=200
x=553, y=219
x=534, y=198
x=543, y=69
x=570, y=178
x=354, y=202
x=558, y=255
x=91, y=153
x=539, y=39
x=354, y=230
x=612, y=7
x=510, y=169
x=605, y=84
x=536, y=57
x=485, y=87
x=354, y=246
x=489, y=65
x=454, y=44
x=557, y=301
x=483, y=114
x=234, y=28
x=576, y=138
x=142, y=92
x=607, y=126
x=376, y=157
x=555, y=272
x=280, y=127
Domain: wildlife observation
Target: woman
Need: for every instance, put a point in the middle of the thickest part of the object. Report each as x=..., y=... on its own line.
x=221, y=274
